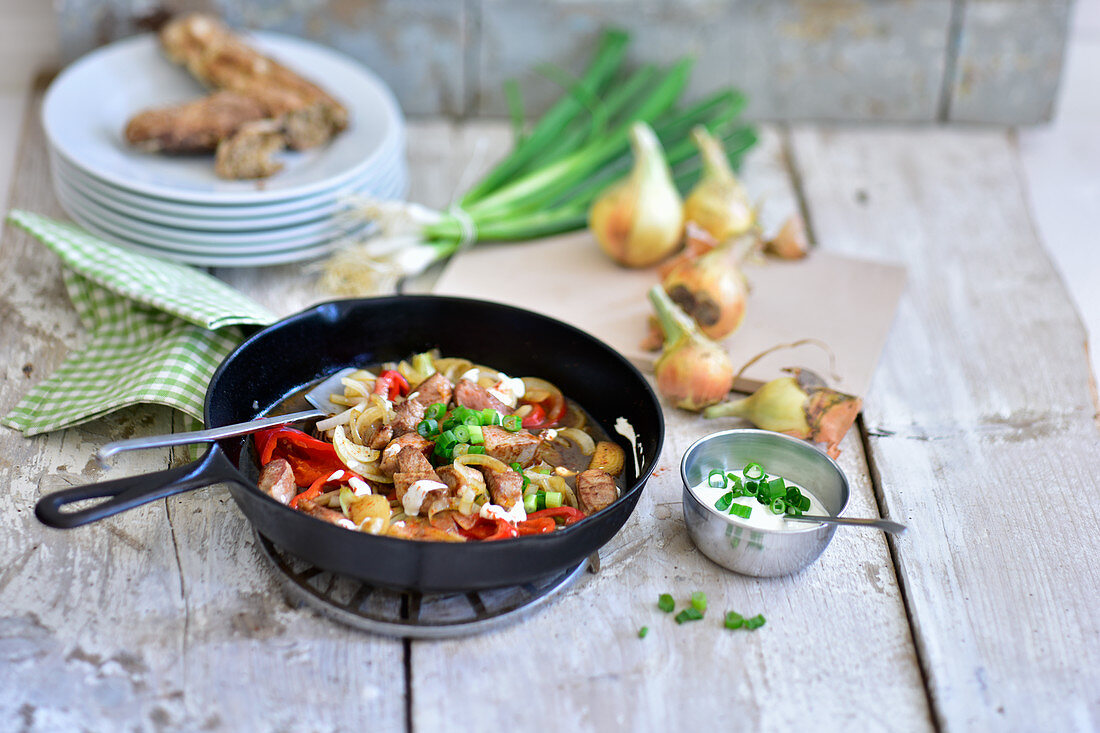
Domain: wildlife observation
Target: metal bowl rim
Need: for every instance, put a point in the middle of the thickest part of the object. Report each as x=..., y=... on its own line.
x=798, y=444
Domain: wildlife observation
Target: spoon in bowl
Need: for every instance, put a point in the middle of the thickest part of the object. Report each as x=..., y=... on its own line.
x=885, y=525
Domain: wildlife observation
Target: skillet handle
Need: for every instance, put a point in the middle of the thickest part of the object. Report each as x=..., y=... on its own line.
x=133, y=491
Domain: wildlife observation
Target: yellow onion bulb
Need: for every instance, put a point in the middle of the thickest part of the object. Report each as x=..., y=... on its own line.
x=718, y=203
x=711, y=290
x=639, y=221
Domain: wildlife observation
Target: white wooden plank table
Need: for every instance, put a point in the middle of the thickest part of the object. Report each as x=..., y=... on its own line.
x=982, y=617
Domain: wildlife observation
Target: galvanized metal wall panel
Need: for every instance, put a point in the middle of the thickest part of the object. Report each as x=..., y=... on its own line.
x=899, y=60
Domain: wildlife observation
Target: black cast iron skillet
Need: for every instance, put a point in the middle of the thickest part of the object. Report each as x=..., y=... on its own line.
x=298, y=350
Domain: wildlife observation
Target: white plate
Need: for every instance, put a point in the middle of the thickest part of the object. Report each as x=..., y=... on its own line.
x=167, y=212
x=86, y=108
x=142, y=215
x=210, y=243
x=281, y=257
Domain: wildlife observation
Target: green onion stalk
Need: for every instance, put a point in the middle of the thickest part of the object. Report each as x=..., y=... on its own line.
x=555, y=170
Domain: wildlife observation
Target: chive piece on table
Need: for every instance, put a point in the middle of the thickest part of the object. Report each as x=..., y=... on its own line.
x=642, y=632
x=689, y=614
x=699, y=601
x=755, y=622
x=666, y=602
x=734, y=620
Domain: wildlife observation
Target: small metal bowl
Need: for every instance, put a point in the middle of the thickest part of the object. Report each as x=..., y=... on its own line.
x=729, y=540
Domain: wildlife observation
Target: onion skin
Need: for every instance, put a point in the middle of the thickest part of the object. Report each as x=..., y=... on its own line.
x=692, y=371
x=638, y=222
x=791, y=241
x=800, y=406
x=711, y=290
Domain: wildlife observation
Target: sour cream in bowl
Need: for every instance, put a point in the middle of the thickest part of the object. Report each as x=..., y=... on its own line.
x=739, y=486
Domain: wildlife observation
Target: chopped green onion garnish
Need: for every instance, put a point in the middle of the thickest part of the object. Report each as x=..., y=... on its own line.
x=476, y=450
x=460, y=449
x=778, y=506
x=724, y=501
x=689, y=614
x=553, y=499
x=512, y=423
x=526, y=482
x=461, y=433
x=699, y=601
x=489, y=416
x=804, y=503
x=737, y=486
x=755, y=622
x=717, y=480
x=446, y=439
x=793, y=495
x=741, y=510
x=666, y=602
x=793, y=511
x=734, y=620
x=427, y=428
x=754, y=471
x=751, y=487
x=435, y=411
x=642, y=632
x=476, y=436
x=530, y=503
x=516, y=467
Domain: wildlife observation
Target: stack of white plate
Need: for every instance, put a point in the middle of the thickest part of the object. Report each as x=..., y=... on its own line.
x=176, y=207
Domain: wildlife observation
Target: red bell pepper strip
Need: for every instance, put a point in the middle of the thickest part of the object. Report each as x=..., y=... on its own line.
x=539, y=525
x=566, y=513
x=489, y=529
x=534, y=418
x=308, y=457
x=545, y=414
x=391, y=384
x=309, y=494
x=505, y=530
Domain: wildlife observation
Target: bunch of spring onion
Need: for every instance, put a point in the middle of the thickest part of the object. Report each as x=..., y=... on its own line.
x=556, y=169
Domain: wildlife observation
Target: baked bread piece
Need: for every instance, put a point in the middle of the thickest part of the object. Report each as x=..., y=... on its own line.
x=193, y=127
x=250, y=151
x=217, y=57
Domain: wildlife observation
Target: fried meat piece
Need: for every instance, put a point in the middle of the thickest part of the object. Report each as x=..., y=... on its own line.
x=510, y=447
x=595, y=490
x=220, y=59
x=277, y=481
x=193, y=127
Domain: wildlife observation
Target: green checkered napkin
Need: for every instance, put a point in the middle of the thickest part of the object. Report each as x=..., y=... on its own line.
x=159, y=329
